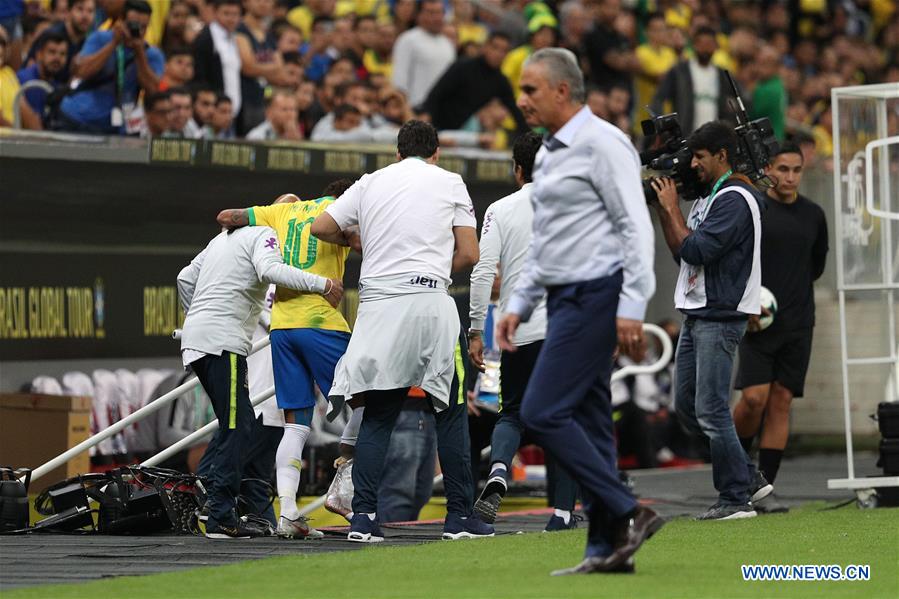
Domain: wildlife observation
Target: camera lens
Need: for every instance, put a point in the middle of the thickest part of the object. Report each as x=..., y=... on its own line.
x=662, y=163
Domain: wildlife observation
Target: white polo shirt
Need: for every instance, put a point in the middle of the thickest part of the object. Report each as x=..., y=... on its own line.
x=406, y=213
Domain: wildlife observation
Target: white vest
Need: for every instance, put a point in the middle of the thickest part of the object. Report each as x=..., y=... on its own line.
x=690, y=294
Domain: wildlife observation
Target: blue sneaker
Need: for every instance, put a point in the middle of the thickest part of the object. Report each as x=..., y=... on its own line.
x=455, y=527
x=557, y=523
x=364, y=530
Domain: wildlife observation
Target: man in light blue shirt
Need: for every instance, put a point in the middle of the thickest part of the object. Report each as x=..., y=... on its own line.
x=592, y=253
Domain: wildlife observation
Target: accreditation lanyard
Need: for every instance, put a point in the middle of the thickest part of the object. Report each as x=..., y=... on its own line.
x=700, y=214
x=120, y=73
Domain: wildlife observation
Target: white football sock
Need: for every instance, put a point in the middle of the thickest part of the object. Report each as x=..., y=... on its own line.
x=563, y=514
x=288, y=464
x=498, y=466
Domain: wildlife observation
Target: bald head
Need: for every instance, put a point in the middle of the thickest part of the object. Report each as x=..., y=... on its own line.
x=287, y=198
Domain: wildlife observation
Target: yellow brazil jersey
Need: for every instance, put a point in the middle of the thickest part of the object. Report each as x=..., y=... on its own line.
x=292, y=222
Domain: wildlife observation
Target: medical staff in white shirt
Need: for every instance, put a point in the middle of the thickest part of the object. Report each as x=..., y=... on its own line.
x=222, y=292
x=417, y=226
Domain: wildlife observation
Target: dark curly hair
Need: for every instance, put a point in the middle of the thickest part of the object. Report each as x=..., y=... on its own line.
x=417, y=138
x=524, y=151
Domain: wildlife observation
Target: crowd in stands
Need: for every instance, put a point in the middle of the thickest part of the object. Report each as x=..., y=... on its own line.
x=354, y=70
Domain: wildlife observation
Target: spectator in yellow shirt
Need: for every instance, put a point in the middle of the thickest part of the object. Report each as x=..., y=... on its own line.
x=469, y=30
x=544, y=33
x=302, y=16
x=656, y=57
x=9, y=88
x=377, y=59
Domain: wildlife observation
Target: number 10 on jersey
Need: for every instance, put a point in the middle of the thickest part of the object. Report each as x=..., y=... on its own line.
x=299, y=236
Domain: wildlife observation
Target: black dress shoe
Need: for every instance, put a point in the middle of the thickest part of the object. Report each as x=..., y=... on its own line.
x=632, y=533
x=597, y=565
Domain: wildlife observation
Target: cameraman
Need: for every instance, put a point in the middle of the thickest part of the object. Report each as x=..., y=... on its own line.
x=113, y=67
x=718, y=249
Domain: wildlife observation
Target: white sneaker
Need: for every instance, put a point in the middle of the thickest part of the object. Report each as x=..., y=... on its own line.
x=297, y=529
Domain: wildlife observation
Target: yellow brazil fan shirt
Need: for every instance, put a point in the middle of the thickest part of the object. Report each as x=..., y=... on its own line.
x=292, y=222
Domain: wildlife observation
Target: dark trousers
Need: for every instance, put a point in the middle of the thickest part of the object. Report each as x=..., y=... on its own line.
x=567, y=405
x=382, y=408
x=515, y=372
x=453, y=446
x=256, y=489
x=224, y=378
x=635, y=435
x=480, y=429
x=561, y=490
x=259, y=464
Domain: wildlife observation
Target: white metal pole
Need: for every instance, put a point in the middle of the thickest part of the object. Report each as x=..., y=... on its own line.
x=140, y=414
x=137, y=416
x=844, y=363
x=841, y=281
x=886, y=248
x=311, y=507
x=195, y=436
x=837, y=187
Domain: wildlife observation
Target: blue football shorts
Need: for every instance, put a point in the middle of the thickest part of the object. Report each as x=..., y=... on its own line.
x=302, y=358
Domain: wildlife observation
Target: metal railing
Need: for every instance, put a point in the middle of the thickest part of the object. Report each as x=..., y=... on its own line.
x=195, y=436
x=16, y=107
x=136, y=416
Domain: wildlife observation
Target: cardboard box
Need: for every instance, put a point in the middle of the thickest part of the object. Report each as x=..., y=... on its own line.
x=37, y=428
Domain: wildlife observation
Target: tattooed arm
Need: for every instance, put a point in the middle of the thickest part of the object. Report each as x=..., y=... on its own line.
x=234, y=218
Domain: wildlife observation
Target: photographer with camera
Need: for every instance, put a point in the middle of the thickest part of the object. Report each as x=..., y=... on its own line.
x=718, y=248
x=113, y=67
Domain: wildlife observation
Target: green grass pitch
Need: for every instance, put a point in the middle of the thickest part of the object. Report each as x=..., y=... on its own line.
x=686, y=559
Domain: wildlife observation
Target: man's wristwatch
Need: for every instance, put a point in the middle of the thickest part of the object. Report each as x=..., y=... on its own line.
x=475, y=333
